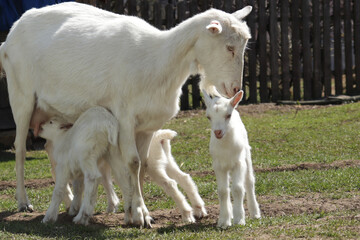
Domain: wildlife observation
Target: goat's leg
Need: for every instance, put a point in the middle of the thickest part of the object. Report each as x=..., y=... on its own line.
x=253, y=205
x=113, y=200
x=185, y=181
x=160, y=177
x=238, y=192
x=222, y=179
x=68, y=196
x=22, y=109
x=89, y=200
x=78, y=187
x=60, y=185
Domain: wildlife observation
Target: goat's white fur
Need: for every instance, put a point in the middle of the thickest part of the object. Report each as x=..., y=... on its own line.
x=163, y=170
x=230, y=150
x=81, y=153
x=69, y=57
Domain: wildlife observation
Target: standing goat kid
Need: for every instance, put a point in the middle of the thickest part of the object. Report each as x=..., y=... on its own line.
x=80, y=152
x=230, y=150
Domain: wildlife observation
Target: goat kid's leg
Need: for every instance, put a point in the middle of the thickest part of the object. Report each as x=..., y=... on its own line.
x=222, y=179
x=78, y=187
x=59, y=190
x=89, y=200
x=113, y=200
x=68, y=196
x=238, y=192
x=185, y=181
x=160, y=177
x=253, y=205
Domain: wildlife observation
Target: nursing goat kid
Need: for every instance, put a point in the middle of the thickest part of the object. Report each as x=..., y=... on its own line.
x=81, y=152
x=68, y=57
x=230, y=150
x=163, y=170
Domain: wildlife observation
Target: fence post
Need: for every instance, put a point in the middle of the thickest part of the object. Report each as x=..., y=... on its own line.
x=262, y=52
x=337, y=47
x=348, y=48
x=326, y=49
x=274, y=51
x=306, y=49
x=285, y=59
x=144, y=10
x=132, y=7
x=296, y=63
x=316, y=82
x=252, y=55
x=157, y=15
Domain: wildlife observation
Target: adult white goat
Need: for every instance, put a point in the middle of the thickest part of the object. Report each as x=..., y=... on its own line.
x=70, y=57
x=163, y=170
x=230, y=150
x=81, y=152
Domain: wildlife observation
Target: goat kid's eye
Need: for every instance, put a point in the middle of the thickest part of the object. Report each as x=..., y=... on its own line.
x=231, y=49
x=208, y=117
x=228, y=117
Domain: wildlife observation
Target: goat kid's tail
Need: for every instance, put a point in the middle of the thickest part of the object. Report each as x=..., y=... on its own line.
x=250, y=170
x=164, y=136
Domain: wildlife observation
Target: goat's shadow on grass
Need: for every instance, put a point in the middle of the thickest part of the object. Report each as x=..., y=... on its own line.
x=197, y=227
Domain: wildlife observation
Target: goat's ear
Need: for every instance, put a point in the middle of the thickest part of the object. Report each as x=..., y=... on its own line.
x=240, y=14
x=214, y=27
x=235, y=100
x=207, y=98
x=66, y=126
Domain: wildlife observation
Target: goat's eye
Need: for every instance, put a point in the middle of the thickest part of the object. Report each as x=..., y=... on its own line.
x=227, y=117
x=51, y=122
x=231, y=49
x=208, y=117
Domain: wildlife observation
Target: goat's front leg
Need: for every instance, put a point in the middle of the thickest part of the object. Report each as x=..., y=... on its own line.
x=222, y=179
x=129, y=153
x=238, y=192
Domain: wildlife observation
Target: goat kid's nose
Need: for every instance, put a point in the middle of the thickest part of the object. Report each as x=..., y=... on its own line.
x=218, y=134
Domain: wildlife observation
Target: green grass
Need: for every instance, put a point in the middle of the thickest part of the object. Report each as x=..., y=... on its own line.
x=321, y=135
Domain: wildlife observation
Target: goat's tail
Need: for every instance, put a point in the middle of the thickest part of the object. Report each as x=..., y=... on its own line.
x=164, y=136
x=113, y=132
x=250, y=170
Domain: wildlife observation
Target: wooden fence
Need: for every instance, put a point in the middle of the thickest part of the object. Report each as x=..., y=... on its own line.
x=300, y=49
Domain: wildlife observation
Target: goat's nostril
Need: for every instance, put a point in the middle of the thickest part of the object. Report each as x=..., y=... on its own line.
x=236, y=89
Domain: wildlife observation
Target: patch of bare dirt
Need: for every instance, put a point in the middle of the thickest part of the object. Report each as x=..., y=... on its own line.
x=270, y=206
x=30, y=183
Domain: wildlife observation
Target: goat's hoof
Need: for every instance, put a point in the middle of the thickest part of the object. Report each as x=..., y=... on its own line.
x=148, y=220
x=187, y=217
x=224, y=223
x=49, y=219
x=138, y=218
x=81, y=219
x=239, y=222
x=200, y=212
x=26, y=208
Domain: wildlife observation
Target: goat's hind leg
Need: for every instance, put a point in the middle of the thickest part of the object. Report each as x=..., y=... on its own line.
x=185, y=181
x=238, y=192
x=113, y=200
x=252, y=203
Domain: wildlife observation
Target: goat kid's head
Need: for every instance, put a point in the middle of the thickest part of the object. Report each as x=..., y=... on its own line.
x=220, y=50
x=219, y=111
x=53, y=127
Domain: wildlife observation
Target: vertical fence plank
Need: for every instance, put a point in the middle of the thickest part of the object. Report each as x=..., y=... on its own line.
x=252, y=55
x=217, y=4
x=306, y=49
x=326, y=49
x=196, y=98
x=337, y=47
x=169, y=13
x=193, y=7
x=348, y=48
x=285, y=60
x=239, y=4
x=296, y=63
x=227, y=7
x=274, y=51
x=144, y=10
x=316, y=82
x=119, y=7
x=262, y=52
x=357, y=44
x=157, y=15
x=132, y=7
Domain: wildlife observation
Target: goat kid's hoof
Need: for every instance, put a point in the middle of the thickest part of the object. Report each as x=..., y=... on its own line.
x=187, y=217
x=239, y=222
x=83, y=220
x=200, y=212
x=147, y=221
x=48, y=219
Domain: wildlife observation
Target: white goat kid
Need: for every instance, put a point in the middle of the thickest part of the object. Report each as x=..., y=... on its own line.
x=69, y=57
x=160, y=165
x=230, y=150
x=79, y=152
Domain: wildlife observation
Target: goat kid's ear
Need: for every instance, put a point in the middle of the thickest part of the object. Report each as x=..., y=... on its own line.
x=240, y=14
x=235, y=100
x=207, y=98
x=214, y=27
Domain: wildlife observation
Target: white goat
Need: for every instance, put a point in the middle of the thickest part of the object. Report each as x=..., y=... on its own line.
x=230, y=150
x=163, y=170
x=69, y=57
x=80, y=152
